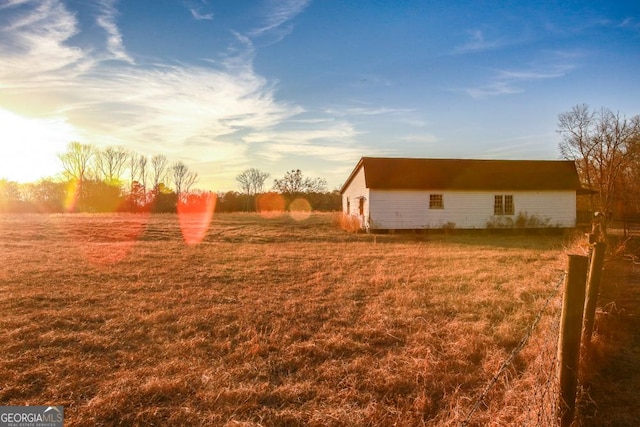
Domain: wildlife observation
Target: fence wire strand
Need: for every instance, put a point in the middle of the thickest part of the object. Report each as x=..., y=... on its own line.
x=545, y=397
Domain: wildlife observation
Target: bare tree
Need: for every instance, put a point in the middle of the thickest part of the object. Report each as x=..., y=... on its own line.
x=294, y=182
x=604, y=145
x=252, y=181
x=158, y=170
x=575, y=128
x=76, y=162
x=9, y=191
x=134, y=168
x=630, y=183
x=110, y=164
x=183, y=178
x=142, y=165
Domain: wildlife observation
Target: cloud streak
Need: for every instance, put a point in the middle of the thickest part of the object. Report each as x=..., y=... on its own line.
x=176, y=109
x=509, y=82
x=366, y=111
x=326, y=139
x=201, y=16
x=196, y=11
x=107, y=21
x=34, y=48
x=479, y=43
x=279, y=13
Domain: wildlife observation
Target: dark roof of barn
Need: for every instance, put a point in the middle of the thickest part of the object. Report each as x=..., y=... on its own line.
x=466, y=174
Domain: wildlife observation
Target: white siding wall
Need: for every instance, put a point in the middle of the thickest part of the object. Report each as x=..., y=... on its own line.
x=410, y=209
x=353, y=193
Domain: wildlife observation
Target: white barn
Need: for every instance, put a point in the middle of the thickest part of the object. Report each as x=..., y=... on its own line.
x=403, y=193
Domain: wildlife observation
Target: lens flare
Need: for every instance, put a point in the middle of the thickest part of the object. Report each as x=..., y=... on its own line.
x=72, y=195
x=104, y=239
x=300, y=209
x=270, y=205
x=194, y=215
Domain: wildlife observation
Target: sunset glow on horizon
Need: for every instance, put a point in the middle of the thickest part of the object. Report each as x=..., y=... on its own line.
x=303, y=84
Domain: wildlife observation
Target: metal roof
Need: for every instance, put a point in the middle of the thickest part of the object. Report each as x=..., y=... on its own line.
x=383, y=173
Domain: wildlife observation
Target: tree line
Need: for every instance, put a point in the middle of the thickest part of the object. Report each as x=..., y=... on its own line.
x=292, y=187
x=117, y=180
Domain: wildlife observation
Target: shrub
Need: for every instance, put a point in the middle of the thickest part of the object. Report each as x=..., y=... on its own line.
x=522, y=220
x=348, y=223
x=448, y=227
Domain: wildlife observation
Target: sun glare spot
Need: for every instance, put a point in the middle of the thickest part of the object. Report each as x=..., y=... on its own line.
x=32, y=146
x=270, y=205
x=300, y=209
x=71, y=198
x=195, y=215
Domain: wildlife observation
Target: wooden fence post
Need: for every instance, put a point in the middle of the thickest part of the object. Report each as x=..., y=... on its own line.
x=570, y=334
x=593, y=287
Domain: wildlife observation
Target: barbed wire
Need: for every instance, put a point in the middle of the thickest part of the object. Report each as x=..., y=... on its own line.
x=509, y=360
x=542, y=410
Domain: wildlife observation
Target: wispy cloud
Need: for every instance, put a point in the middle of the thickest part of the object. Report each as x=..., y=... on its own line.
x=522, y=147
x=509, y=82
x=497, y=88
x=530, y=75
x=364, y=111
x=201, y=16
x=11, y=3
x=420, y=138
x=107, y=21
x=478, y=42
x=196, y=9
x=328, y=139
x=177, y=108
x=629, y=23
x=34, y=45
x=279, y=13
x=592, y=24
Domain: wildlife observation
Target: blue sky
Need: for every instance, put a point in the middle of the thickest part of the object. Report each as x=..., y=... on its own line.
x=309, y=84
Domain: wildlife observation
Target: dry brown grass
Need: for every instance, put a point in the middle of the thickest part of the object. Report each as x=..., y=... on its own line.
x=610, y=371
x=349, y=223
x=268, y=321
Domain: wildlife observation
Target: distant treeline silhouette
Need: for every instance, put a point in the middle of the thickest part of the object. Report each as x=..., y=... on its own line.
x=50, y=196
x=117, y=180
x=233, y=201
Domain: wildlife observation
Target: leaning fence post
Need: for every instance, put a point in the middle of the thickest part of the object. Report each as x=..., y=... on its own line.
x=593, y=287
x=570, y=334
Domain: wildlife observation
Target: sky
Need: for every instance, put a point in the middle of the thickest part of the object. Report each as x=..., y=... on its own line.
x=305, y=84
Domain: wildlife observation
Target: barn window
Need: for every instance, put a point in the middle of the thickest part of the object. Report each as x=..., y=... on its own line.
x=498, y=206
x=361, y=206
x=508, y=205
x=503, y=204
x=435, y=201
x=348, y=206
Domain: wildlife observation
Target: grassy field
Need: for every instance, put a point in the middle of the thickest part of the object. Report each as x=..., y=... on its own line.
x=267, y=321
